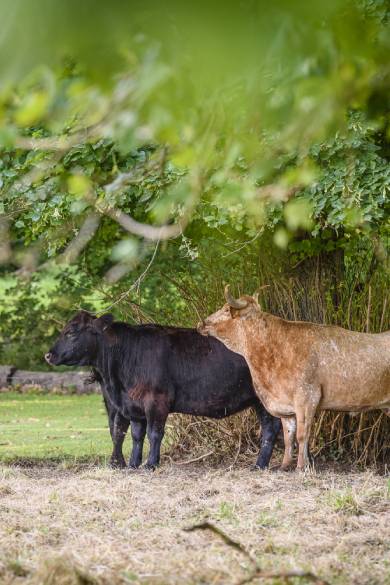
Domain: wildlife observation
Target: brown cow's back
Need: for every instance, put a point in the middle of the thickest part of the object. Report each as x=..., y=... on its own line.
x=352, y=369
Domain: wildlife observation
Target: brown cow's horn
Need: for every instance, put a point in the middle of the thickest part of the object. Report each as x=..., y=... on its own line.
x=236, y=304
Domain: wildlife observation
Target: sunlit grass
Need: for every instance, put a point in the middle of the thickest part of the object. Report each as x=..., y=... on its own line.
x=34, y=427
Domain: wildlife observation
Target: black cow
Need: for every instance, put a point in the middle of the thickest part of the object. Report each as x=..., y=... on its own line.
x=148, y=371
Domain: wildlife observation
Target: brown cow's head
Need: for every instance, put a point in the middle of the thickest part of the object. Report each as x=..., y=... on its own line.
x=226, y=323
x=77, y=344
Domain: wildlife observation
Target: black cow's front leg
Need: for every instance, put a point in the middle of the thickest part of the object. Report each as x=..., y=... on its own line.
x=138, y=432
x=156, y=415
x=111, y=412
x=119, y=430
x=270, y=428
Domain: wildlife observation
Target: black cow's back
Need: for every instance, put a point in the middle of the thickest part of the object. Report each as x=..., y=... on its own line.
x=199, y=374
x=210, y=380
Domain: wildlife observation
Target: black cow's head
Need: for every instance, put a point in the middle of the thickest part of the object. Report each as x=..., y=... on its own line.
x=78, y=343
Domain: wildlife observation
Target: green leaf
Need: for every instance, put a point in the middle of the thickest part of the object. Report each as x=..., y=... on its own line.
x=298, y=214
x=79, y=185
x=33, y=108
x=7, y=136
x=281, y=238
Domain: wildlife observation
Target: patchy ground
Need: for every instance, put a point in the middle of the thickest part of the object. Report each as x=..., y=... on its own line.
x=85, y=525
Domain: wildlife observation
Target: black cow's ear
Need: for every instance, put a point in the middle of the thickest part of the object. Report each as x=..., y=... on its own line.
x=83, y=317
x=102, y=323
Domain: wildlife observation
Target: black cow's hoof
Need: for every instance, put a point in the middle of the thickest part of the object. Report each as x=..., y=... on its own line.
x=149, y=467
x=115, y=464
x=133, y=466
x=258, y=467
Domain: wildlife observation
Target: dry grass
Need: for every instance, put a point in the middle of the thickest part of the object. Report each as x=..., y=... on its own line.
x=97, y=526
x=363, y=439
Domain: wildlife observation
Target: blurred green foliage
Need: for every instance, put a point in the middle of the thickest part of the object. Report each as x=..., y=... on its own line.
x=264, y=128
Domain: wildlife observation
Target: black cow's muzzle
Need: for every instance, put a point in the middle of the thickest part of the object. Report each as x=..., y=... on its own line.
x=49, y=357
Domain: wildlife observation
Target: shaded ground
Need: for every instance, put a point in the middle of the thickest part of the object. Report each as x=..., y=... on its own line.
x=94, y=525
x=48, y=426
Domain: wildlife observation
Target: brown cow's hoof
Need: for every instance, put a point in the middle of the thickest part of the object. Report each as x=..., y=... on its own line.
x=306, y=468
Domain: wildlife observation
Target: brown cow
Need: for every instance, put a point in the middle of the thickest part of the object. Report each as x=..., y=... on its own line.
x=299, y=367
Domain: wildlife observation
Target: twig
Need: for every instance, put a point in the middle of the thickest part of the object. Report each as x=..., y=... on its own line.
x=345, y=436
x=383, y=315
x=185, y=293
x=57, y=143
x=121, y=181
x=225, y=537
x=243, y=245
x=61, y=144
x=135, y=284
x=238, y=451
x=368, y=309
x=257, y=572
x=195, y=459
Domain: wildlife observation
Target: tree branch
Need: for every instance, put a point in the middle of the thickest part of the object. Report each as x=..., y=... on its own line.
x=149, y=232
x=86, y=233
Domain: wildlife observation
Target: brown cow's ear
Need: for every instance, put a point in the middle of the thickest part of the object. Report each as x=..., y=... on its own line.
x=102, y=323
x=233, y=312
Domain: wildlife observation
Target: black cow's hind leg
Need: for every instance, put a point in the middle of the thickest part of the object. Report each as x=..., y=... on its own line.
x=270, y=428
x=156, y=416
x=119, y=430
x=138, y=432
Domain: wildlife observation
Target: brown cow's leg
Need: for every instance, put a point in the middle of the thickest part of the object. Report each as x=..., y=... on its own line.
x=305, y=415
x=289, y=429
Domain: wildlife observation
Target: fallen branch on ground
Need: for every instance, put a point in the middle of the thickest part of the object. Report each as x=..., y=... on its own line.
x=256, y=572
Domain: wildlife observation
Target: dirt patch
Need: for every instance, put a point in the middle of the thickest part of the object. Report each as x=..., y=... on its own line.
x=94, y=525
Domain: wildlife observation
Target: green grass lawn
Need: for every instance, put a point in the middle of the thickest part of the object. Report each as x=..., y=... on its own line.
x=53, y=427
